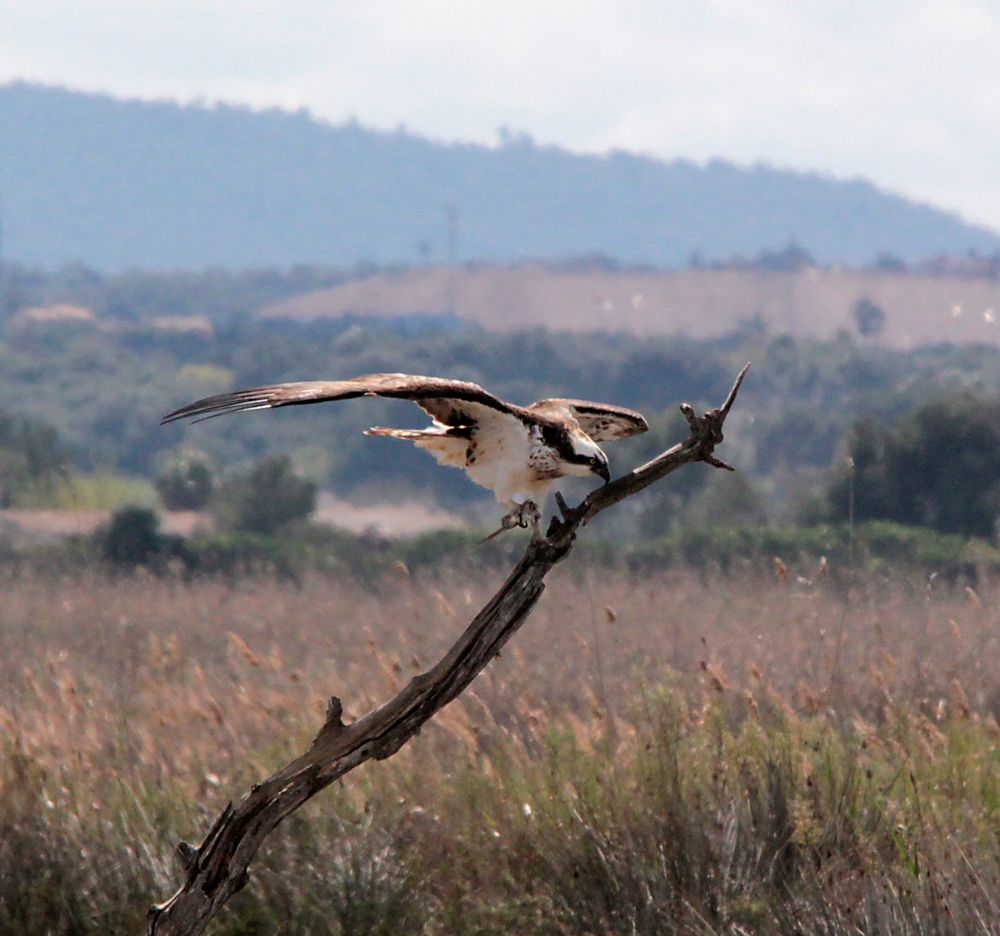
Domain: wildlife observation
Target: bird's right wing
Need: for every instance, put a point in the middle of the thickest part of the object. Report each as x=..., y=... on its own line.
x=603, y=422
x=451, y=402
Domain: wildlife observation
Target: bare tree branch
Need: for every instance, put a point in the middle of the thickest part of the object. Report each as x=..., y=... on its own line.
x=218, y=868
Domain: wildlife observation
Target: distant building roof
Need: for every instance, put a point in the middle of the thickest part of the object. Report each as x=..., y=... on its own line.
x=59, y=312
x=198, y=324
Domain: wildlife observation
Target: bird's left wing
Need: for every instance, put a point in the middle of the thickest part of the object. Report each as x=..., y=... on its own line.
x=446, y=400
x=601, y=421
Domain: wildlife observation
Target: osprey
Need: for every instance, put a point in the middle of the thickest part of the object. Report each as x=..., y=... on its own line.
x=515, y=451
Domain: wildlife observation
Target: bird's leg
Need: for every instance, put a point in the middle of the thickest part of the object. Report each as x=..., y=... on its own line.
x=523, y=515
x=507, y=522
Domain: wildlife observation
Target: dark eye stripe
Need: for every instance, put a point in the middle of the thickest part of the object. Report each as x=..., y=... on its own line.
x=556, y=439
x=561, y=442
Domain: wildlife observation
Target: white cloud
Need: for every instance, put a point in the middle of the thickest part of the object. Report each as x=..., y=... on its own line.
x=900, y=91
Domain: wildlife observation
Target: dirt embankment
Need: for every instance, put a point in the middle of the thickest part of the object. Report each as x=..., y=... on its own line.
x=816, y=303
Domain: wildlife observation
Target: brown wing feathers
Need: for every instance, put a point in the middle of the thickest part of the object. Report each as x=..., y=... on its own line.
x=437, y=395
x=443, y=399
x=601, y=421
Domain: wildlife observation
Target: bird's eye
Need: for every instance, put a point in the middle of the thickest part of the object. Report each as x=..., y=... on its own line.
x=595, y=460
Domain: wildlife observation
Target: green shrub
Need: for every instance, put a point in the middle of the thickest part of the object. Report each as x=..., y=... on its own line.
x=939, y=467
x=265, y=499
x=186, y=483
x=875, y=547
x=132, y=538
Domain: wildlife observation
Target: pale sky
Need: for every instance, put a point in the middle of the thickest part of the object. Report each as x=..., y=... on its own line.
x=906, y=94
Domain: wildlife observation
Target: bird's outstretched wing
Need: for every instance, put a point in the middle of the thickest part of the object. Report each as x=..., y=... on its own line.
x=451, y=402
x=601, y=421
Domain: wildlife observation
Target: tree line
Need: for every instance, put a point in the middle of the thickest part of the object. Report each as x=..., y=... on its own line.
x=920, y=428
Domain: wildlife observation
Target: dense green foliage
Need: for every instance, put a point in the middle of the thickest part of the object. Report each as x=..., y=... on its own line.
x=105, y=389
x=810, y=552
x=804, y=554
x=186, y=482
x=132, y=538
x=938, y=467
x=32, y=459
x=165, y=186
x=264, y=499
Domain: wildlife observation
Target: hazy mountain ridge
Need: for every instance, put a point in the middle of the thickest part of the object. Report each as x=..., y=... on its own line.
x=126, y=183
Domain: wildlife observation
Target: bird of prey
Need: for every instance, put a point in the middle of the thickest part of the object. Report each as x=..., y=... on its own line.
x=515, y=451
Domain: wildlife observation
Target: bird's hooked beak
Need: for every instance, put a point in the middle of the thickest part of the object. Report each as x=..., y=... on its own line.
x=601, y=469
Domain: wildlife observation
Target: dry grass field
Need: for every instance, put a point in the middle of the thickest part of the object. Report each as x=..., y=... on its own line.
x=670, y=754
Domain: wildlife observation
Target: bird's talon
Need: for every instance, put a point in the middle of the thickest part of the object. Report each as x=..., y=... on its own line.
x=509, y=521
x=528, y=514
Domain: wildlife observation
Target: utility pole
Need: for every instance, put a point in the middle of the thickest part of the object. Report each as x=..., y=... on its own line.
x=9, y=301
x=451, y=214
x=4, y=311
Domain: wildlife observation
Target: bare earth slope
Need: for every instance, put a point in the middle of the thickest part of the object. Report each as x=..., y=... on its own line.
x=702, y=303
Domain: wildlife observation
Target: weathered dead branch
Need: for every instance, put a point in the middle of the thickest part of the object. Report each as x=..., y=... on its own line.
x=218, y=868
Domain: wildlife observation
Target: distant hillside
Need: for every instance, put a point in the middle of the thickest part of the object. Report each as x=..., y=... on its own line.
x=124, y=183
x=810, y=303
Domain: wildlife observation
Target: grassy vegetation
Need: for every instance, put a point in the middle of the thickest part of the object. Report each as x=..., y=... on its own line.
x=98, y=491
x=799, y=554
x=879, y=547
x=656, y=754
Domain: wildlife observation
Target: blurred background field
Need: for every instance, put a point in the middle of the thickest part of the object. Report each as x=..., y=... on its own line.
x=765, y=702
x=882, y=349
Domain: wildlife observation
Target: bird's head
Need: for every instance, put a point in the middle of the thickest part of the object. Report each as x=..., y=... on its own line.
x=587, y=458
